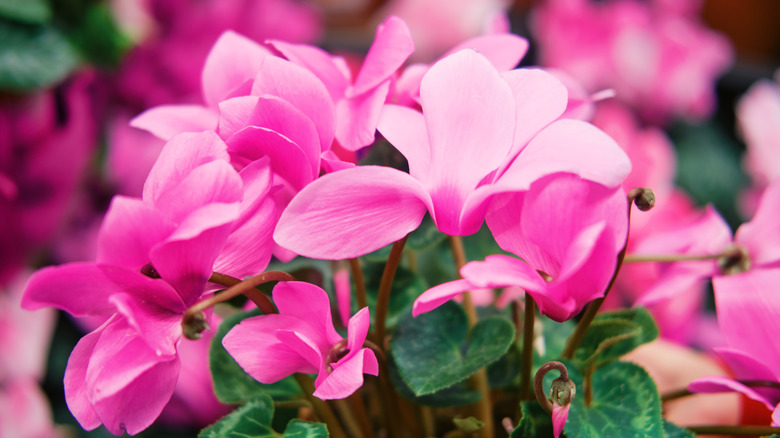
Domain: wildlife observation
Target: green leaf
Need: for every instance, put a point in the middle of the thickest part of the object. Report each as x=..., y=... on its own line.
x=434, y=350
x=232, y=384
x=252, y=420
x=305, y=429
x=27, y=11
x=672, y=430
x=613, y=334
x=458, y=394
x=468, y=425
x=535, y=422
x=33, y=56
x=97, y=36
x=625, y=404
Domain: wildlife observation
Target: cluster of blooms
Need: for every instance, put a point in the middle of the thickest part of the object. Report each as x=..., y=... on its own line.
x=266, y=166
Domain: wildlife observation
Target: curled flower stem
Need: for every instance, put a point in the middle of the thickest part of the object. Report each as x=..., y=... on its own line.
x=479, y=380
x=684, y=392
x=644, y=199
x=528, y=350
x=539, y=392
x=193, y=320
x=360, y=282
x=734, y=430
x=320, y=407
x=385, y=286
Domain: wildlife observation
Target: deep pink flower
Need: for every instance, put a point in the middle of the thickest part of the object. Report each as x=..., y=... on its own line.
x=154, y=257
x=301, y=339
x=559, y=416
x=567, y=233
x=480, y=133
x=658, y=60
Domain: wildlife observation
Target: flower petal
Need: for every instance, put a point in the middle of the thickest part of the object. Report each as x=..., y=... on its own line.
x=352, y=212
x=358, y=116
x=405, y=129
x=559, y=416
x=391, y=47
x=232, y=62
x=347, y=378
x=310, y=304
x=503, y=50
x=286, y=157
x=166, y=121
x=438, y=295
x=75, y=381
x=159, y=327
x=318, y=62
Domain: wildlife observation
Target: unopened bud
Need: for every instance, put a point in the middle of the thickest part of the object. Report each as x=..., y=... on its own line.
x=645, y=199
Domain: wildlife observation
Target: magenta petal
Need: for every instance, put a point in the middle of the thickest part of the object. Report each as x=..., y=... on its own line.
x=358, y=116
x=405, y=129
x=186, y=258
x=295, y=84
x=309, y=303
x=502, y=271
x=285, y=156
x=466, y=105
x=559, y=416
x=391, y=47
x=347, y=377
x=358, y=330
x=254, y=345
x=306, y=347
x=438, y=295
x=233, y=61
x=318, y=62
x=159, y=327
x=130, y=229
x=75, y=382
x=248, y=249
x=179, y=157
x=503, y=50
x=761, y=235
x=717, y=384
x=570, y=146
x=84, y=289
x=166, y=121
x=352, y=212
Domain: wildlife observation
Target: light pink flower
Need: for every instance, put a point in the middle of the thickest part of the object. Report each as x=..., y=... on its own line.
x=567, y=233
x=480, y=133
x=301, y=339
x=658, y=60
x=25, y=412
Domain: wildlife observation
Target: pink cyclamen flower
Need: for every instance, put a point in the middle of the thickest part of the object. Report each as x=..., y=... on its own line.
x=301, y=339
x=155, y=256
x=748, y=308
x=657, y=60
x=568, y=233
x=480, y=133
x=559, y=416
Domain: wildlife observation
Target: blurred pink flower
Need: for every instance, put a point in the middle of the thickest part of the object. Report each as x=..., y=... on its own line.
x=301, y=339
x=25, y=412
x=659, y=60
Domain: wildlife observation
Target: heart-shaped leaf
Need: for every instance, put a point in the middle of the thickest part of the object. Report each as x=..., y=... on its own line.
x=435, y=351
x=28, y=11
x=613, y=334
x=458, y=394
x=253, y=420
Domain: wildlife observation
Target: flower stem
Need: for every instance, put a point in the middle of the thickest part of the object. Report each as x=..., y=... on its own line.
x=320, y=407
x=385, y=286
x=360, y=282
x=670, y=258
x=539, y=392
x=479, y=380
x=644, y=199
x=734, y=430
x=528, y=349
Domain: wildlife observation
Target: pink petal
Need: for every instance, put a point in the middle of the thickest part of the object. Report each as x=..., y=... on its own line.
x=257, y=349
x=382, y=205
x=761, y=235
x=75, y=382
x=232, y=62
x=84, y=289
x=570, y=146
x=391, y=47
x=748, y=312
x=285, y=156
x=307, y=348
x=503, y=50
x=466, y=105
x=303, y=90
x=405, y=129
x=159, y=327
x=347, y=377
x=358, y=330
x=179, y=157
x=165, y=121
x=318, y=62
x=130, y=229
x=559, y=416
x=717, y=384
x=438, y=295
x=247, y=250
x=502, y=271
x=127, y=383
x=308, y=303
x=358, y=117
x=186, y=258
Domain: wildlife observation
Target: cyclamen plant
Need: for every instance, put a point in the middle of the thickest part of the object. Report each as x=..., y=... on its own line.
x=494, y=163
